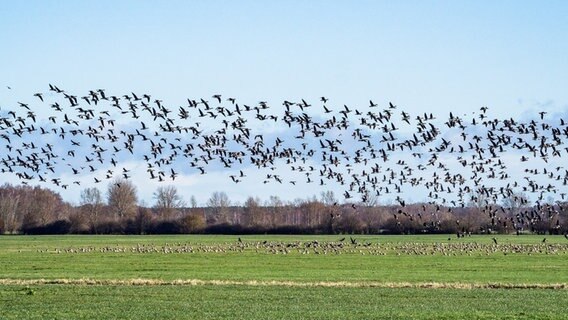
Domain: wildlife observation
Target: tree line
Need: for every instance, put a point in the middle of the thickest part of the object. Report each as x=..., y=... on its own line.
x=35, y=210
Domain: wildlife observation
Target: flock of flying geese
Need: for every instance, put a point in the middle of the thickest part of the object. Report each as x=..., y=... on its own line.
x=56, y=137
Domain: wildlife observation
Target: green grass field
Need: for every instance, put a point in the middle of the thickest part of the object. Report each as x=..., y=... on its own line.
x=287, y=277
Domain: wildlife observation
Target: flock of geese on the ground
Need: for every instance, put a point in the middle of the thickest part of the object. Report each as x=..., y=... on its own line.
x=315, y=247
x=58, y=137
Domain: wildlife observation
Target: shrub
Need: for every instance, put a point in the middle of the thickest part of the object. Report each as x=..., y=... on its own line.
x=56, y=227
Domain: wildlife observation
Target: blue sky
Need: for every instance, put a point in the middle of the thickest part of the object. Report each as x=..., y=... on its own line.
x=435, y=56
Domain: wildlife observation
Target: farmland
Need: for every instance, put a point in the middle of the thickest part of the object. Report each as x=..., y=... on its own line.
x=361, y=277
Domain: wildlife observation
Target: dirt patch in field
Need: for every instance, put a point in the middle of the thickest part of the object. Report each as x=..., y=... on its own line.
x=330, y=284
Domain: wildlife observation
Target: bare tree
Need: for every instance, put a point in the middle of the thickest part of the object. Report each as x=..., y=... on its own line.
x=219, y=203
x=313, y=211
x=478, y=199
x=92, y=205
x=328, y=198
x=253, y=212
x=370, y=200
x=9, y=200
x=25, y=208
x=143, y=219
x=193, y=202
x=515, y=201
x=41, y=207
x=219, y=199
x=275, y=212
x=168, y=201
x=331, y=203
x=122, y=198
